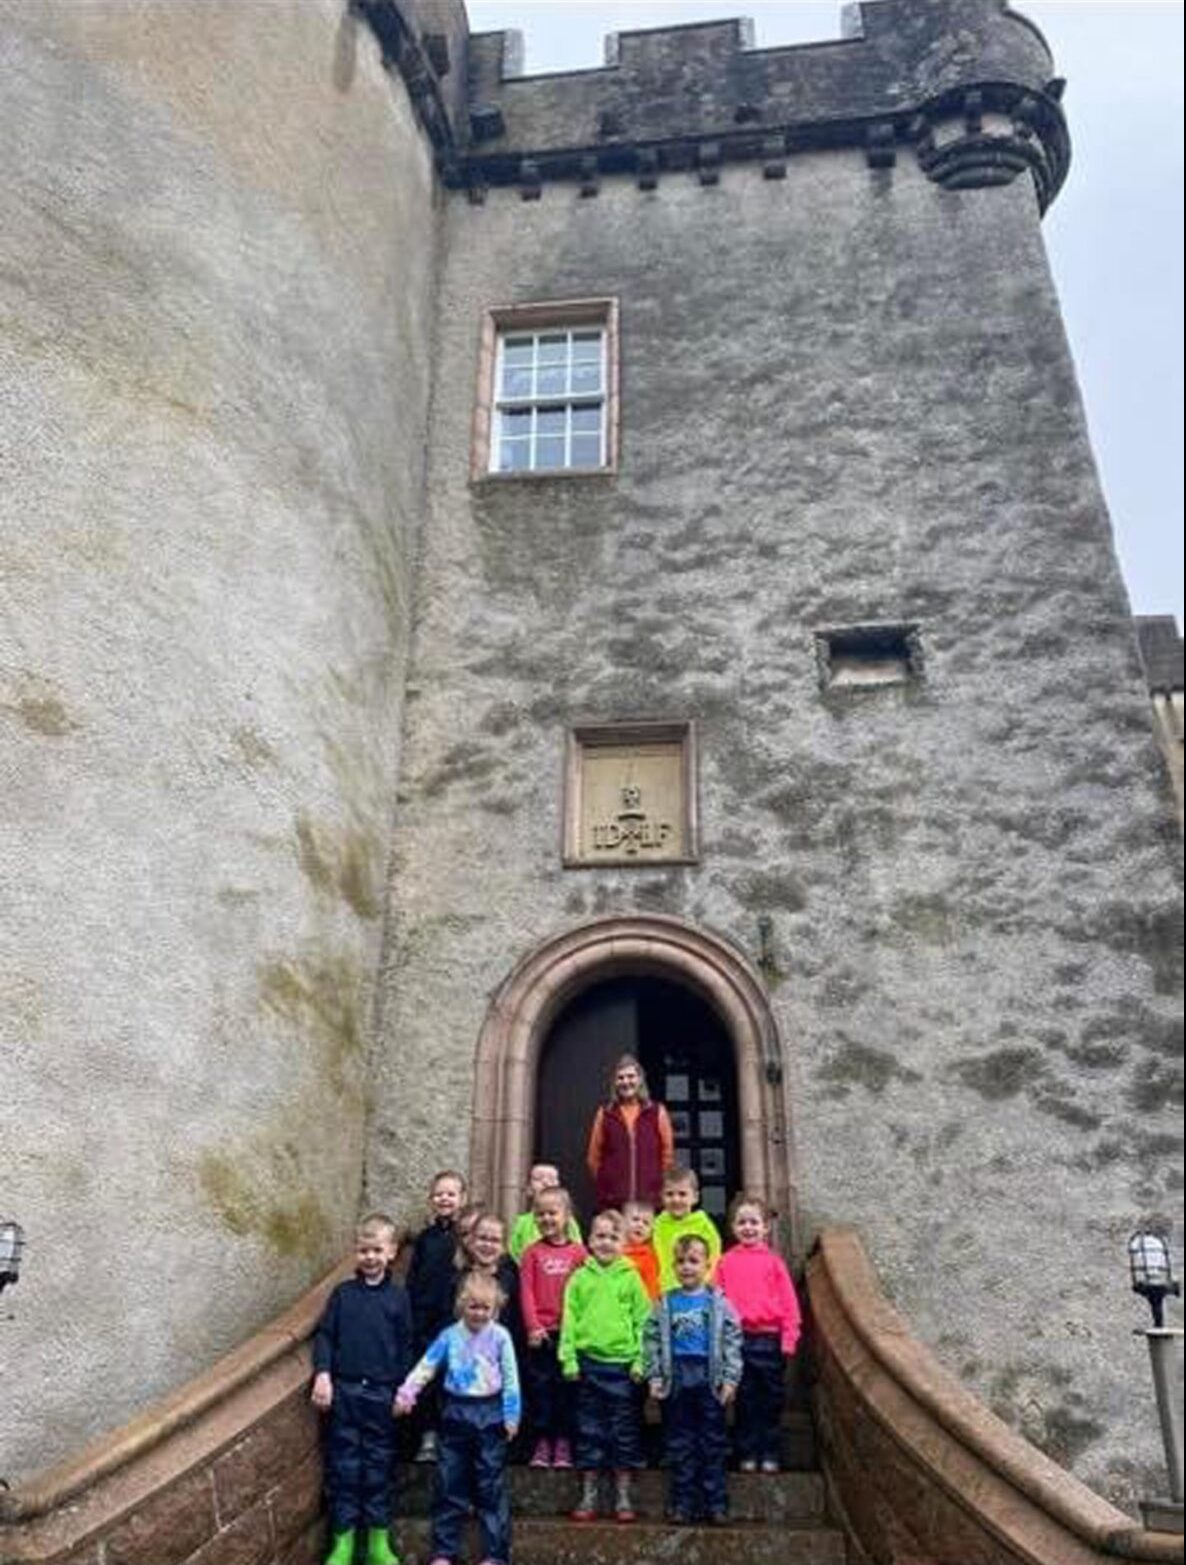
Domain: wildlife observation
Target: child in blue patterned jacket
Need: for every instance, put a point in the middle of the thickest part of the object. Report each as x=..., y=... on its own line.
x=481, y=1417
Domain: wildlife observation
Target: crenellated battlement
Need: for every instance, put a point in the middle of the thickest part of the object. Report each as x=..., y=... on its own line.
x=966, y=83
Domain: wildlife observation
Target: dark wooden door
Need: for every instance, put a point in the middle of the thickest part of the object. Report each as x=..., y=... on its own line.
x=688, y=1057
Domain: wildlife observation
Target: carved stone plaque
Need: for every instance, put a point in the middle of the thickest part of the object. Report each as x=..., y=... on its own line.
x=630, y=795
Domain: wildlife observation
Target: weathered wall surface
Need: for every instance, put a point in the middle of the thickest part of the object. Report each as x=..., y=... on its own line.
x=215, y=300
x=847, y=398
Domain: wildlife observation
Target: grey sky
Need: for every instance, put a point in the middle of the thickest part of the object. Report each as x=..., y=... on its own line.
x=1114, y=234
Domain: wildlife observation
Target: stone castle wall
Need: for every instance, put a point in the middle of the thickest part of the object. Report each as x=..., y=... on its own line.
x=238, y=314
x=219, y=250
x=847, y=398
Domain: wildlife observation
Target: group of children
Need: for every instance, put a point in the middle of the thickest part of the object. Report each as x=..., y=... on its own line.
x=650, y=1305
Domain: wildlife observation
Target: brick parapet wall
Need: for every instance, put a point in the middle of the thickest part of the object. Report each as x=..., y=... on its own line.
x=226, y=1472
x=920, y=1470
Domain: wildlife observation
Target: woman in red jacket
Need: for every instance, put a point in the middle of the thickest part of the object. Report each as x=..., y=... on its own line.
x=631, y=1144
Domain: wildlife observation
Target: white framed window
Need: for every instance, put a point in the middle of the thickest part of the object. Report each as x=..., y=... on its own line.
x=547, y=400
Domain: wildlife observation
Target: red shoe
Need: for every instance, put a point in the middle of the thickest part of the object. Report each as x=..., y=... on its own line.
x=541, y=1456
x=562, y=1455
x=625, y=1513
x=583, y=1514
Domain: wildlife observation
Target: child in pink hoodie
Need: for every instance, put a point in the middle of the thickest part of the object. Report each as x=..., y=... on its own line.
x=756, y=1282
x=543, y=1276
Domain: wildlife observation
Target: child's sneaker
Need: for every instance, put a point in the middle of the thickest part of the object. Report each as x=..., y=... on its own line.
x=747, y=1465
x=770, y=1466
x=541, y=1455
x=426, y=1451
x=562, y=1454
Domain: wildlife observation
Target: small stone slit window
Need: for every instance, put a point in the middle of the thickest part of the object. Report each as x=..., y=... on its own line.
x=863, y=656
x=547, y=403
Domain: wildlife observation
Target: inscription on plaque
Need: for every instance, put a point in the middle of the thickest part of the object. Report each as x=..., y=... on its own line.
x=628, y=797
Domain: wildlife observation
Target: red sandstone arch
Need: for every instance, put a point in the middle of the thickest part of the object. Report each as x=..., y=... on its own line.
x=524, y=1007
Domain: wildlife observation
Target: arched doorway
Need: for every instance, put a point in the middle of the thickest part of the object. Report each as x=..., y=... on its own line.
x=516, y=1033
x=686, y=1051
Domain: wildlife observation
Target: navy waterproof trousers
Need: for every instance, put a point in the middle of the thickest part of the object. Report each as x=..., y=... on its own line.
x=472, y=1472
x=608, y=1437
x=697, y=1443
x=360, y=1455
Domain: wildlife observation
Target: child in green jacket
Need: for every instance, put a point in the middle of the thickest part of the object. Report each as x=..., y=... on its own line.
x=605, y=1309
x=680, y=1219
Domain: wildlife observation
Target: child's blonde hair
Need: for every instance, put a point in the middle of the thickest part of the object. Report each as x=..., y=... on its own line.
x=449, y=1173
x=682, y=1175
x=554, y=1193
x=614, y=1218
x=637, y=1209
x=378, y=1223
x=756, y=1201
x=480, y=1285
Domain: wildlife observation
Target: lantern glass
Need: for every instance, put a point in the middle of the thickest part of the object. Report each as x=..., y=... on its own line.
x=12, y=1242
x=1149, y=1262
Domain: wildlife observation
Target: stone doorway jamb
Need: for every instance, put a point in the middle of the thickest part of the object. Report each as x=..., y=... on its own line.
x=535, y=991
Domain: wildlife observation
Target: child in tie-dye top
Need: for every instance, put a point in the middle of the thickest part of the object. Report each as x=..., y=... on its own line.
x=481, y=1415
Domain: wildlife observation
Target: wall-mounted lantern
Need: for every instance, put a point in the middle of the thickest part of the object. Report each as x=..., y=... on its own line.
x=12, y=1244
x=1151, y=1268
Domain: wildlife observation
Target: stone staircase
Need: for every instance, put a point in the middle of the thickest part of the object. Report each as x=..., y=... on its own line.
x=774, y=1520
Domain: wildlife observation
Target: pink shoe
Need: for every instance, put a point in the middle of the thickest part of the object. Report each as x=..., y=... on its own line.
x=541, y=1456
x=562, y=1454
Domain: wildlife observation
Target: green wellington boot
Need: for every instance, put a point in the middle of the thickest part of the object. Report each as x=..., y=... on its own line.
x=341, y=1548
x=379, y=1550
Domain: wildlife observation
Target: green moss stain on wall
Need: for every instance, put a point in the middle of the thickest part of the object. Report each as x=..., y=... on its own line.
x=257, y=1193
x=344, y=862
x=322, y=998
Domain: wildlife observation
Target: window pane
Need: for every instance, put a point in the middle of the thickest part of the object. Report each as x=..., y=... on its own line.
x=550, y=421
x=550, y=381
x=515, y=423
x=518, y=351
x=553, y=349
x=514, y=456
x=586, y=421
x=515, y=382
x=586, y=345
x=586, y=378
x=549, y=451
x=586, y=451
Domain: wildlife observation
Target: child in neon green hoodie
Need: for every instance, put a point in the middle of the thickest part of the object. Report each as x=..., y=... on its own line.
x=605, y=1309
x=679, y=1219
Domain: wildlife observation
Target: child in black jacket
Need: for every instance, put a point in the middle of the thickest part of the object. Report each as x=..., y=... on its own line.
x=432, y=1283
x=362, y=1350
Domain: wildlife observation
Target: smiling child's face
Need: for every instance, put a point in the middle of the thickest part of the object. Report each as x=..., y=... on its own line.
x=679, y=1198
x=691, y=1267
x=543, y=1176
x=374, y=1252
x=605, y=1243
x=551, y=1218
x=446, y=1197
x=749, y=1226
x=639, y=1225
x=484, y=1242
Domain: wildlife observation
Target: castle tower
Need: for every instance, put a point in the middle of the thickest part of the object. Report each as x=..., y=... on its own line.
x=508, y=569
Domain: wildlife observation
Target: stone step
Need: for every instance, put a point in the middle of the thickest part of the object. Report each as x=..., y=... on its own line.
x=780, y=1498
x=539, y=1542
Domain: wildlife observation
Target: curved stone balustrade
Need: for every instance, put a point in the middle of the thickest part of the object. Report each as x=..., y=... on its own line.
x=226, y=1470
x=920, y=1470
